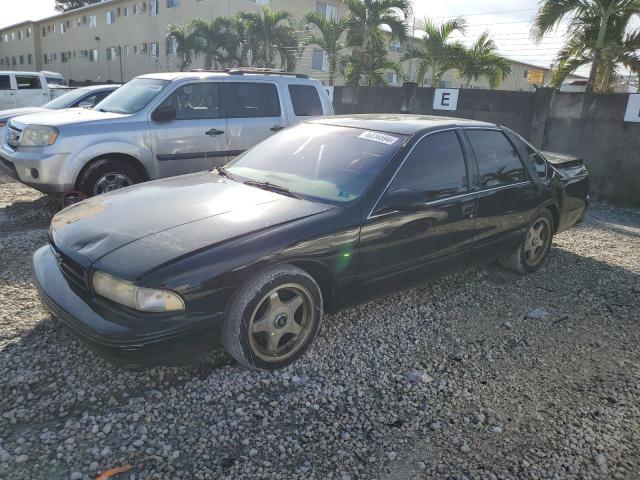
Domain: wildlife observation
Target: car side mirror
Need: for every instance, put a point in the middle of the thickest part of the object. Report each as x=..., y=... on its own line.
x=165, y=113
x=402, y=201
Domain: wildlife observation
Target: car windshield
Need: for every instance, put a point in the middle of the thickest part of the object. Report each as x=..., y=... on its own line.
x=67, y=100
x=325, y=162
x=133, y=96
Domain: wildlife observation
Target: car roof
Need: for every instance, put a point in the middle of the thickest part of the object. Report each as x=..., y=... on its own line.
x=90, y=88
x=400, y=124
x=204, y=75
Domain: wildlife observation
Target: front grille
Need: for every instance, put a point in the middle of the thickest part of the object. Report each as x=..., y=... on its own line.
x=73, y=271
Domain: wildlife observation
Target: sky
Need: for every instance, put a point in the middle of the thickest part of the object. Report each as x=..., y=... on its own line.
x=508, y=21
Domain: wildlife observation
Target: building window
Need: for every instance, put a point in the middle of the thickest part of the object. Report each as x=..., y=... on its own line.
x=29, y=59
x=330, y=11
x=126, y=50
x=392, y=78
x=172, y=46
x=395, y=47
x=13, y=36
x=265, y=3
x=29, y=32
x=93, y=21
x=153, y=7
x=19, y=34
x=318, y=60
x=21, y=59
x=111, y=17
x=153, y=50
x=93, y=55
x=173, y=3
x=6, y=37
x=126, y=11
x=526, y=74
x=111, y=53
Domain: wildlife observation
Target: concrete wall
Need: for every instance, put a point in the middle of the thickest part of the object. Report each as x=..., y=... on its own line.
x=589, y=126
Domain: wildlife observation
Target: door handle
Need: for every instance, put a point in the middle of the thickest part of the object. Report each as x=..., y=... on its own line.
x=277, y=128
x=469, y=209
x=214, y=132
x=527, y=194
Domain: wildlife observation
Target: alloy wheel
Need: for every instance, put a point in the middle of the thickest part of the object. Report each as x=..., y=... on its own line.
x=281, y=322
x=537, y=242
x=110, y=182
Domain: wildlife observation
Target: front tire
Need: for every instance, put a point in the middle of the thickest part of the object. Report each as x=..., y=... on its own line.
x=273, y=319
x=535, y=246
x=106, y=175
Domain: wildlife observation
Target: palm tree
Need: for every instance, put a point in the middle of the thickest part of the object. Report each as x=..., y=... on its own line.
x=187, y=43
x=217, y=41
x=435, y=51
x=620, y=48
x=371, y=74
x=482, y=60
x=268, y=32
x=366, y=37
x=583, y=12
x=330, y=39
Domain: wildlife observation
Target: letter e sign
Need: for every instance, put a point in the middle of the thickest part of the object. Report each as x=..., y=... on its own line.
x=445, y=99
x=633, y=108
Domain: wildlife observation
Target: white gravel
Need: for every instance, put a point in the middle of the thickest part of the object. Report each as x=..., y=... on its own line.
x=456, y=379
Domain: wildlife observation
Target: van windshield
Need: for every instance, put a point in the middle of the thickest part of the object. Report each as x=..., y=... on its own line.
x=133, y=96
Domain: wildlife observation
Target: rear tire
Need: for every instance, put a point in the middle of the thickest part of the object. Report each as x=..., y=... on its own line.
x=273, y=319
x=106, y=175
x=535, y=246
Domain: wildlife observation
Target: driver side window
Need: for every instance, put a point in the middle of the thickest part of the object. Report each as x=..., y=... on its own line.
x=435, y=168
x=195, y=101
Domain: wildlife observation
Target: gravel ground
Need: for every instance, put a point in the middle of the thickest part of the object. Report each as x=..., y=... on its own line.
x=456, y=379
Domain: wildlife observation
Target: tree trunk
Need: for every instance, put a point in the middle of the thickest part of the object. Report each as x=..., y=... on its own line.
x=593, y=74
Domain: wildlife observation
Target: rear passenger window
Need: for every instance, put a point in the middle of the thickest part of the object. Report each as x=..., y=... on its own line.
x=245, y=100
x=28, y=83
x=498, y=161
x=435, y=168
x=5, y=82
x=195, y=101
x=306, y=101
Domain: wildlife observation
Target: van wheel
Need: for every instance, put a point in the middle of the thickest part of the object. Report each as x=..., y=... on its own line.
x=535, y=246
x=273, y=319
x=107, y=175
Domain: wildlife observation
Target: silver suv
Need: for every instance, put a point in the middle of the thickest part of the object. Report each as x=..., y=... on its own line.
x=156, y=126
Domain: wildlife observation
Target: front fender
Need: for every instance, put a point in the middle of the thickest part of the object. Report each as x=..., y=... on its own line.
x=138, y=151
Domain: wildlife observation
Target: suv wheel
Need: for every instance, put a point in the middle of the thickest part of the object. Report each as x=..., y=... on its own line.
x=535, y=246
x=273, y=319
x=107, y=175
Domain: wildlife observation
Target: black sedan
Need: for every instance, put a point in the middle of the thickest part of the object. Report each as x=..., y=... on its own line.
x=321, y=216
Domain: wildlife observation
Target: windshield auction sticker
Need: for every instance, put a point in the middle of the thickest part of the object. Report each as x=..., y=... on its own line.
x=378, y=137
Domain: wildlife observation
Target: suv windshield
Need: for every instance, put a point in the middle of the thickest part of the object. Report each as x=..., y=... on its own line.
x=133, y=96
x=326, y=162
x=66, y=100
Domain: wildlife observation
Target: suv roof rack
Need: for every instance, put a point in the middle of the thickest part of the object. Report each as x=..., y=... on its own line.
x=259, y=71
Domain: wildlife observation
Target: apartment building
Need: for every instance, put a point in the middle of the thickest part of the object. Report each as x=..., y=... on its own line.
x=116, y=40
x=119, y=39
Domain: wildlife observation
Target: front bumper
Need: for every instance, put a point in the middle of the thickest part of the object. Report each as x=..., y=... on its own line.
x=125, y=340
x=20, y=164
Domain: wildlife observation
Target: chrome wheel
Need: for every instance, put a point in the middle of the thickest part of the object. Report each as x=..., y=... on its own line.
x=537, y=242
x=110, y=182
x=281, y=323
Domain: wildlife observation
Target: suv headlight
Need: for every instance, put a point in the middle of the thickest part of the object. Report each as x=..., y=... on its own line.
x=138, y=298
x=38, y=136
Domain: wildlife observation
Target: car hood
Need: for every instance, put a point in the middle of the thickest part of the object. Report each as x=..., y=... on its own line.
x=56, y=118
x=14, y=112
x=191, y=211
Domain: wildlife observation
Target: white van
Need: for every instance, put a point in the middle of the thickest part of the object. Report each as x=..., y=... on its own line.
x=23, y=89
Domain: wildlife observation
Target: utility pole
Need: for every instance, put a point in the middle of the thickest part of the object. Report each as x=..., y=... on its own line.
x=120, y=58
x=413, y=45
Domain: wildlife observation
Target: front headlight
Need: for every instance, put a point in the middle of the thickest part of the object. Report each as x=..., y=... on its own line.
x=138, y=298
x=38, y=136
